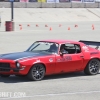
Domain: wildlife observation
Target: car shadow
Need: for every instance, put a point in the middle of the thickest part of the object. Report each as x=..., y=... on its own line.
x=65, y=75
x=14, y=79
x=17, y=79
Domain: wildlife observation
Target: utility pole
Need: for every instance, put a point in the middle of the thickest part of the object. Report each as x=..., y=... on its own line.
x=10, y=24
x=12, y=11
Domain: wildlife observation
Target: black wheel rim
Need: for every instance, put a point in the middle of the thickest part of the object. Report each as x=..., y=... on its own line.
x=94, y=67
x=38, y=72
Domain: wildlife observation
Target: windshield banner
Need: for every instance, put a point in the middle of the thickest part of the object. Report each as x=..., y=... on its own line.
x=89, y=1
x=52, y=1
x=78, y=1
x=32, y=0
x=41, y=0
x=24, y=0
x=64, y=0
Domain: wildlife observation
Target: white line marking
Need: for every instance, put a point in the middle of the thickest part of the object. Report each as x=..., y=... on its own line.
x=54, y=94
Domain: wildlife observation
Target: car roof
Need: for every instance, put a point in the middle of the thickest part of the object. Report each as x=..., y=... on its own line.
x=61, y=41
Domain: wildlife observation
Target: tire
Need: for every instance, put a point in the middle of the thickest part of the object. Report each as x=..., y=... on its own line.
x=37, y=72
x=4, y=75
x=92, y=67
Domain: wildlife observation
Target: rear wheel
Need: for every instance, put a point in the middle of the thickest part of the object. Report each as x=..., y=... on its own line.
x=93, y=67
x=37, y=72
x=4, y=75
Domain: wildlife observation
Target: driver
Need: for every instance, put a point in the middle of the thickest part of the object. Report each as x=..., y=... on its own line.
x=62, y=49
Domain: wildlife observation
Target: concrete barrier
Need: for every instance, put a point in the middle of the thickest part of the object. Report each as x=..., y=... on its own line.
x=50, y=5
x=50, y=15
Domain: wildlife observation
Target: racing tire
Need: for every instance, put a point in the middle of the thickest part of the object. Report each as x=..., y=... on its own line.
x=4, y=75
x=92, y=67
x=37, y=72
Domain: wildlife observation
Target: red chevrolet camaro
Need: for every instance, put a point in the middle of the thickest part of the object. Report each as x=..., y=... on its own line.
x=52, y=57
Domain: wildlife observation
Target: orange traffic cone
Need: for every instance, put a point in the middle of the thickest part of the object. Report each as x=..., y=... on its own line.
x=92, y=28
x=92, y=25
x=46, y=25
x=60, y=25
x=50, y=28
x=28, y=25
x=68, y=28
x=20, y=27
x=76, y=25
x=37, y=25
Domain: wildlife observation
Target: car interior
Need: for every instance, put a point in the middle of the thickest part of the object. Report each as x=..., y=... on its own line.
x=71, y=49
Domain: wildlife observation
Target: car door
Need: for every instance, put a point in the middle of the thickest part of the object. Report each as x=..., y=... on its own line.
x=71, y=61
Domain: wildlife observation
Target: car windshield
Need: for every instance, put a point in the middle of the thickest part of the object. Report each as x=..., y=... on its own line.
x=40, y=46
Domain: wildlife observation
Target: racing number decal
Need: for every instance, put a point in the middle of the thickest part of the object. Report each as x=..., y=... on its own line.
x=67, y=58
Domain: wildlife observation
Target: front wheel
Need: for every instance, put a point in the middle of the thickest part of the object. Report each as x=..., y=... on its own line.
x=37, y=72
x=92, y=67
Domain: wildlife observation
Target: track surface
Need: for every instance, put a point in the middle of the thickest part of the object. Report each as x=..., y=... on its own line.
x=72, y=86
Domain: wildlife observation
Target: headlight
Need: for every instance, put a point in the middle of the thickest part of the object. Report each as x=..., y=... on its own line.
x=17, y=64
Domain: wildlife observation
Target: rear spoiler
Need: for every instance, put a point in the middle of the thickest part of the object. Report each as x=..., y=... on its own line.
x=95, y=43
x=91, y=43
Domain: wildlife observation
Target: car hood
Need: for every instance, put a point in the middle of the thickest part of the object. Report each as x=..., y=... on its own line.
x=22, y=55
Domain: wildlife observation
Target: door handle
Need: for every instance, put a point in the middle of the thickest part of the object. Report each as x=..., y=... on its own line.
x=82, y=56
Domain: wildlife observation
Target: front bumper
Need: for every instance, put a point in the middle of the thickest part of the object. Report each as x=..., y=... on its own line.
x=10, y=68
x=12, y=71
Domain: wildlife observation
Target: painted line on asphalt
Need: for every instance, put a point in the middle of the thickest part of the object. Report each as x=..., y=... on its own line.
x=53, y=94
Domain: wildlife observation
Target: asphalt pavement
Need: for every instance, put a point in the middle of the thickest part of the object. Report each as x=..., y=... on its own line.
x=71, y=86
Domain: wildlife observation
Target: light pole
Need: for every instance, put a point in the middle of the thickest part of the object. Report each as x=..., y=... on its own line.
x=12, y=11
x=10, y=24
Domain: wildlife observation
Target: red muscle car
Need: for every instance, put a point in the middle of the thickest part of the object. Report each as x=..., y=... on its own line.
x=48, y=57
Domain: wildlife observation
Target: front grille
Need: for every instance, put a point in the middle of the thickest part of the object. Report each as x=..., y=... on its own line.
x=5, y=67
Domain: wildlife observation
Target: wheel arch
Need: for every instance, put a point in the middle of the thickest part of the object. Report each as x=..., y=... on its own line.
x=91, y=59
x=38, y=63
x=30, y=73
x=95, y=69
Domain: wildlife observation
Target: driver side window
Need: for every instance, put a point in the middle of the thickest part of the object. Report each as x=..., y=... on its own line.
x=69, y=48
x=62, y=49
